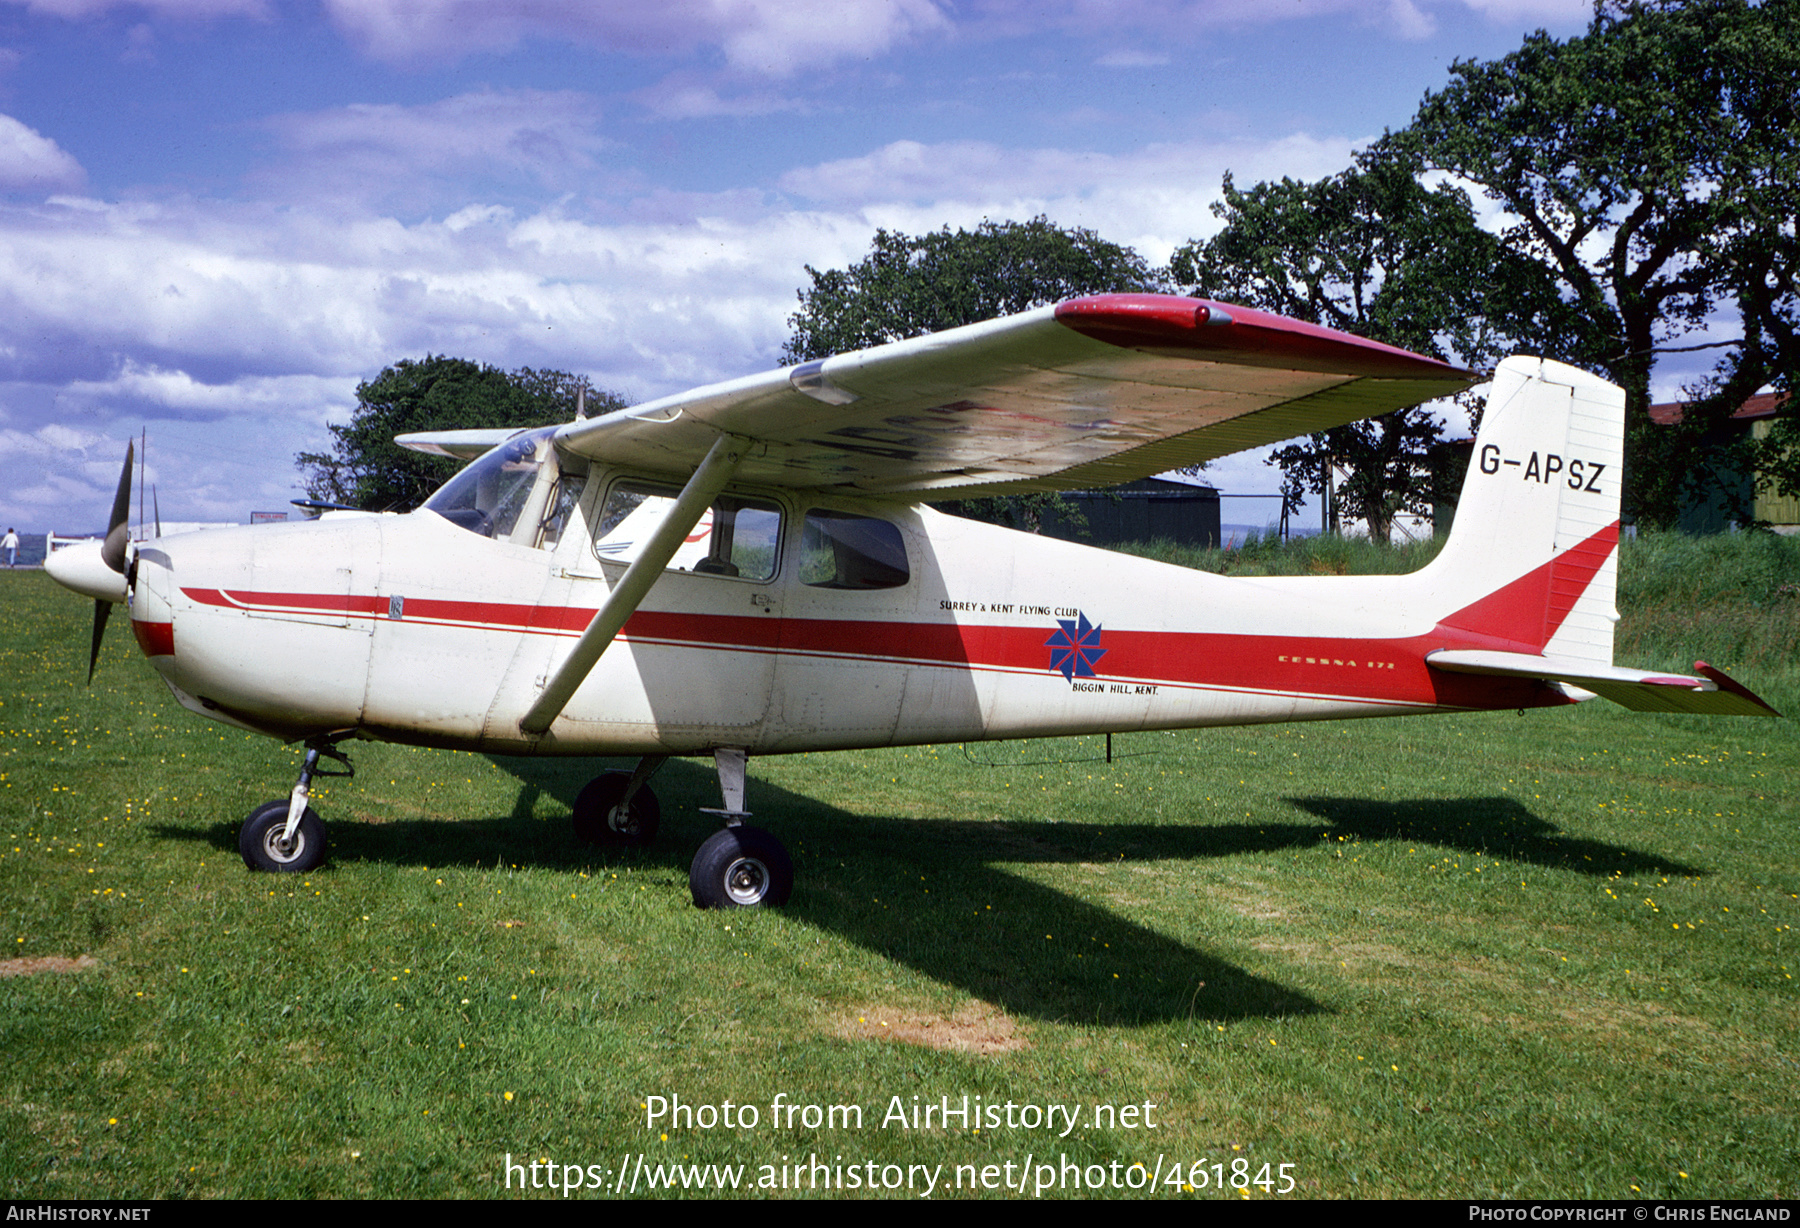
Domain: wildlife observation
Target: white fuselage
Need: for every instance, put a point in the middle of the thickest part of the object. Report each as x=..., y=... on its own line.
x=412, y=629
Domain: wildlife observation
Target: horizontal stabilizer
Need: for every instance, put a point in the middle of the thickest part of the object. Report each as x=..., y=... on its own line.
x=1712, y=694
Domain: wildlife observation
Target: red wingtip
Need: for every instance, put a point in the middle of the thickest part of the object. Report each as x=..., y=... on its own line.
x=1258, y=338
x=1727, y=683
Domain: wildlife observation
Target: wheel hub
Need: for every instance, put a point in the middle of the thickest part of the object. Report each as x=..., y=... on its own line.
x=747, y=881
x=283, y=849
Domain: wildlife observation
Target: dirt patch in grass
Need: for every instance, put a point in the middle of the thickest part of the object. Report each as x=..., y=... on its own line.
x=1350, y=954
x=46, y=963
x=975, y=1027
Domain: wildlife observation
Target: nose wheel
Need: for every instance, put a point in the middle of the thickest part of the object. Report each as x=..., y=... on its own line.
x=288, y=836
x=265, y=844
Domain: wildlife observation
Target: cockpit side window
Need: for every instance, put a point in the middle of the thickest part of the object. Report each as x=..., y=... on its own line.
x=504, y=488
x=736, y=537
x=847, y=551
x=560, y=507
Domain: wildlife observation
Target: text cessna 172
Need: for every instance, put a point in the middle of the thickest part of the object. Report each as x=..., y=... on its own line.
x=747, y=569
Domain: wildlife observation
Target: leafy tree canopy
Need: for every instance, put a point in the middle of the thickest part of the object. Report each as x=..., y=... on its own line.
x=1651, y=165
x=1371, y=251
x=1647, y=177
x=909, y=285
x=367, y=469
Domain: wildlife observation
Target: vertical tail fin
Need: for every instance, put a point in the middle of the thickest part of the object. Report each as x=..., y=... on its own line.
x=1532, y=555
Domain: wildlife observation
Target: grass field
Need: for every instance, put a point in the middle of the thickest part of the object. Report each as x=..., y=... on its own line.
x=1489, y=956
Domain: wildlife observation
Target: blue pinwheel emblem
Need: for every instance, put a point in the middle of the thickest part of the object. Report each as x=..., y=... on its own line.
x=1075, y=649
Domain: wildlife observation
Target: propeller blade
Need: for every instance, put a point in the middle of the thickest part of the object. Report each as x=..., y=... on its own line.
x=101, y=610
x=156, y=507
x=118, y=530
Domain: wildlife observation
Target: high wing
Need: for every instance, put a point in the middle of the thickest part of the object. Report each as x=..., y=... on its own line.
x=463, y=445
x=1090, y=392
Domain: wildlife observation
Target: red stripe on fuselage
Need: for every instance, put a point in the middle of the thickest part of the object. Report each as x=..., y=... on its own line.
x=1388, y=671
x=1521, y=615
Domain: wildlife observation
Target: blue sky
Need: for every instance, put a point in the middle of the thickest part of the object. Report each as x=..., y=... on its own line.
x=218, y=216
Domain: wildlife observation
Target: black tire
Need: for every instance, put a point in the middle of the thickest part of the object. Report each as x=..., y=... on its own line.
x=259, y=840
x=598, y=819
x=741, y=867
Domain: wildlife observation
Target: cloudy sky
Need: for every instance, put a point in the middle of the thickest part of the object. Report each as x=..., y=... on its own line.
x=218, y=216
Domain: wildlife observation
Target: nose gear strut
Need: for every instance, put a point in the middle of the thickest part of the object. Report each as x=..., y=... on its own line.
x=288, y=836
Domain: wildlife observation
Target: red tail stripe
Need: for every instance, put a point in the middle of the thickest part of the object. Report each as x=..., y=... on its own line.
x=1531, y=609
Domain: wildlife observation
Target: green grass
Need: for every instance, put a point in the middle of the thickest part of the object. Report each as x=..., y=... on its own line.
x=1493, y=956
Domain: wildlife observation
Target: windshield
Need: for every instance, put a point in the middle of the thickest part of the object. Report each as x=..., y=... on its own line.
x=487, y=497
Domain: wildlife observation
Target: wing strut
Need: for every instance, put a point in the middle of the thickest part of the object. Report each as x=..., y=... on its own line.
x=708, y=480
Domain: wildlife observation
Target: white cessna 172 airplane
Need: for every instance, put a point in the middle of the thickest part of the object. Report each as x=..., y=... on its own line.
x=747, y=569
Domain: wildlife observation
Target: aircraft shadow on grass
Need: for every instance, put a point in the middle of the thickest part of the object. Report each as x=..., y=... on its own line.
x=932, y=893
x=1494, y=826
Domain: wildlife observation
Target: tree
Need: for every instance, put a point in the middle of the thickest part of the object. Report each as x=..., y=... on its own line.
x=909, y=285
x=1371, y=251
x=1752, y=247
x=367, y=469
x=1650, y=166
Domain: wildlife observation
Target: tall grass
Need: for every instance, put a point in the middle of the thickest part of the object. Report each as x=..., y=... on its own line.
x=1732, y=600
x=1268, y=555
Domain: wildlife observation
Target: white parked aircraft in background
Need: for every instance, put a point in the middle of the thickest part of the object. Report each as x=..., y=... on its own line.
x=748, y=569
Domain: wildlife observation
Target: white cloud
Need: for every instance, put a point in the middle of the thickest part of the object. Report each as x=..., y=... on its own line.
x=1152, y=198
x=1195, y=19
x=1408, y=22
x=385, y=151
x=765, y=37
x=777, y=37
x=135, y=298
x=237, y=330
x=190, y=10
x=681, y=96
x=1562, y=14
x=139, y=387
x=1133, y=59
x=31, y=161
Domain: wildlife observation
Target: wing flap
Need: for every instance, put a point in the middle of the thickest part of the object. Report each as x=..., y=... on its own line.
x=1713, y=694
x=1091, y=392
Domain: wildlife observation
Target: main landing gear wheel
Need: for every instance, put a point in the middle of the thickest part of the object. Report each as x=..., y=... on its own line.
x=741, y=867
x=599, y=819
x=260, y=840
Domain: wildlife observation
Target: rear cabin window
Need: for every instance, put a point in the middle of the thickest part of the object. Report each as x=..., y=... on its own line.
x=844, y=550
x=736, y=536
